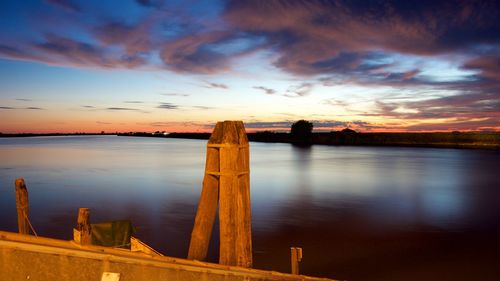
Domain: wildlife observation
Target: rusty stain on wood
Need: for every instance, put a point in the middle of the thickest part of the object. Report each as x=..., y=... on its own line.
x=22, y=205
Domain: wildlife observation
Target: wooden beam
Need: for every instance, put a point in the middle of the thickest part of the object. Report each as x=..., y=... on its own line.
x=22, y=206
x=234, y=197
x=83, y=225
x=207, y=207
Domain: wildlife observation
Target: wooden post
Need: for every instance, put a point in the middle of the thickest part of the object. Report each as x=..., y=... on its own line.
x=83, y=225
x=22, y=206
x=295, y=257
x=226, y=177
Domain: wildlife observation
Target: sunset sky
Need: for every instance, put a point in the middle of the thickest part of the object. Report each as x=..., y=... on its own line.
x=91, y=66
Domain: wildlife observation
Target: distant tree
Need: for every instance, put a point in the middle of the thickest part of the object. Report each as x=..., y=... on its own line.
x=302, y=130
x=348, y=131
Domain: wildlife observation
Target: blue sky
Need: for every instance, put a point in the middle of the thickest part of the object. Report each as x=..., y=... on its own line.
x=87, y=66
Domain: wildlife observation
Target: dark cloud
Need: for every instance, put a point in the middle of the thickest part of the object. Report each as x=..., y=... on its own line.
x=166, y=105
x=136, y=39
x=268, y=91
x=20, y=108
x=149, y=3
x=121, y=108
x=88, y=106
x=319, y=125
x=65, y=4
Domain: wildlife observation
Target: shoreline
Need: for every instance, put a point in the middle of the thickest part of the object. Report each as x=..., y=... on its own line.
x=457, y=140
x=469, y=140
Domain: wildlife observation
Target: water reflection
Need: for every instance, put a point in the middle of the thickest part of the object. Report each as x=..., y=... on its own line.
x=360, y=213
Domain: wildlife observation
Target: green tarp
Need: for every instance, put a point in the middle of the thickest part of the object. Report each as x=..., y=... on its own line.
x=112, y=234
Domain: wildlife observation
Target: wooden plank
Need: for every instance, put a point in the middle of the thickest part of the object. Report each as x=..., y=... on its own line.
x=243, y=212
x=22, y=206
x=137, y=245
x=83, y=225
x=228, y=194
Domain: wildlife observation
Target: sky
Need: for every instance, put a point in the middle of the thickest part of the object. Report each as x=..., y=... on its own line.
x=180, y=66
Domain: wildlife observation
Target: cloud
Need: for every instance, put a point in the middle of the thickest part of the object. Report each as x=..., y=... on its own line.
x=20, y=108
x=24, y=99
x=166, y=105
x=133, y=101
x=215, y=85
x=300, y=90
x=88, y=106
x=268, y=91
x=203, y=107
x=103, y=123
x=175, y=95
x=319, y=125
x=121, y=108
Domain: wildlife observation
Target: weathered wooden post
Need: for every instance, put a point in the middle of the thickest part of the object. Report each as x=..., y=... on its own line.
x=83, y=225
x=226, y=180
x=22, y=206
x=295, y=258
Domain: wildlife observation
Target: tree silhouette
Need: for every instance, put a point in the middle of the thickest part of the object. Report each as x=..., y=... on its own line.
x=301, y=130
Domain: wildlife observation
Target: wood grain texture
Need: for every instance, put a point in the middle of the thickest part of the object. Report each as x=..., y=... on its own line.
x=83, y=225
x=207, y=208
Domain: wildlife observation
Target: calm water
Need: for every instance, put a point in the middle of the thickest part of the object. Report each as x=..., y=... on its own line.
x=360, y=213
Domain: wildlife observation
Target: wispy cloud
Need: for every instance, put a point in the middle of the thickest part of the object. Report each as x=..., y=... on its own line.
x=268, y=91
x=21, y=108
x=215, y=85
x=167, y=105
x=300, y=90
x=133, y=101
x=175, y=95
x=122, y=109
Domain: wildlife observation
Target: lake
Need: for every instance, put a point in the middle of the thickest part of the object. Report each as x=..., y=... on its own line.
x=359, y=213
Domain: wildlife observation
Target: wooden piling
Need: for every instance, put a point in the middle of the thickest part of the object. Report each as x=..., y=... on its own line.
x=295, y=258
x=226, y=177
x=83, y=225
x=22, y=206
